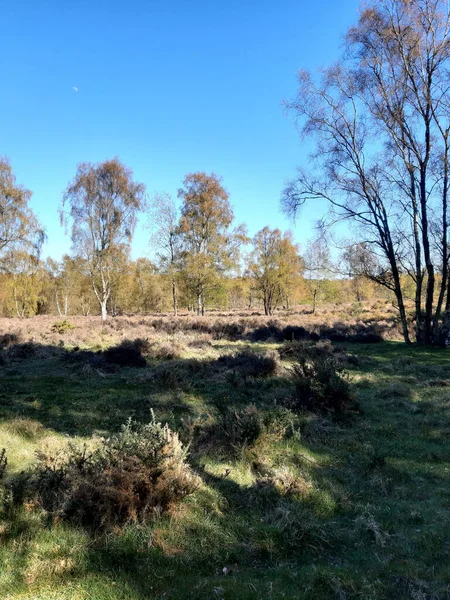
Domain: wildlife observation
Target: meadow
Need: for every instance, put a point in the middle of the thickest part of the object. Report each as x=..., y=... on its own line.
x=348, y=500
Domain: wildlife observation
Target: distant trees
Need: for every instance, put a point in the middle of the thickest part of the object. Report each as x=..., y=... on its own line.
x=26, y=280
x=210, y=248
x=197, y=259
x=166, y=239
x=102, y=202
x=65, y=275
x=381, y=121
x=19, y=228
x=317, y=262
x=275, y=266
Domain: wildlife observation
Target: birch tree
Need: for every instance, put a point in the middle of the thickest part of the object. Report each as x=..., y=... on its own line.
x=210, y=245
x=19, y=228
x=275, y=266
x=381, y=121
x=101, y=205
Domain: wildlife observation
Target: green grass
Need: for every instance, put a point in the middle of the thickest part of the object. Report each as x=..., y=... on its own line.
x=373, y=521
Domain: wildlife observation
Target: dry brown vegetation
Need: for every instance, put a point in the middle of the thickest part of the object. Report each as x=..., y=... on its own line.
x=167, y=335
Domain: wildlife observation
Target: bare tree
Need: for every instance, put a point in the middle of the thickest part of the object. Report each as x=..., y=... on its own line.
x=102, y=204
x=318, y=269
x=166, y=239
x=381, y=120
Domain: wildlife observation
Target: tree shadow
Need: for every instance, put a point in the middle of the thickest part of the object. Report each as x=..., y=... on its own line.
x=78, y=393
x=381, y=460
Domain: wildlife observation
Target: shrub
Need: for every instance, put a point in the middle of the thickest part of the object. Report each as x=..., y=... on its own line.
x=8, y=339
x=140, y=471
x=233, y=430
x=293, y=332
x=264, y=333
x=3, y=463
x=129, y=353
x=285, y=484
x=250, y=364
x=23, y=351
x=322, y=349
x=177, y=375
x=356, y=334
x=228, y=330
x=88, y=360
x=321, y=384
x=365, y=338
x=62, y=327
x=169, y=350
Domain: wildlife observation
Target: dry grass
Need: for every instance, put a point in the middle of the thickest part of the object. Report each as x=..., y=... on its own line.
x=188, y=329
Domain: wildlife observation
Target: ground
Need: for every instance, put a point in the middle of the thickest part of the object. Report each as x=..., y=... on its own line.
x=315, y=507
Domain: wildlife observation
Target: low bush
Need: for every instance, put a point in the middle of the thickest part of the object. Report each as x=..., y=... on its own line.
x=250, y=364
x=321, y=383
x=178, y=374
x=169, y=350
x=323, y=348
x=129, y=353
x=339, y=332
x=234, y=430
x=228, y=330
x=9, y=339
x=285, y=484
x=138, y=472
x=23, y=351
x=266, y=332
x=87, y=360
x=62, y=327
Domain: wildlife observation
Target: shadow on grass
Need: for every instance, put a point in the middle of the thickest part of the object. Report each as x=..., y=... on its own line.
x=375, y=516
x=79, y=397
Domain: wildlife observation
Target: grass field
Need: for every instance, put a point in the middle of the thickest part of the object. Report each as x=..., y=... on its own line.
x=312, y=507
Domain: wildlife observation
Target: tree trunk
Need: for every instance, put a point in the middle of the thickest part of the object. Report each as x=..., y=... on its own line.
x=401, y=306
x=57, y=304
x=104, y=297
x=444, y=338
x=267, y=304
x=104, y=310
x=174, y=298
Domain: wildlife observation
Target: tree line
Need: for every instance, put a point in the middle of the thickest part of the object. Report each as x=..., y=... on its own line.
x=199, y=258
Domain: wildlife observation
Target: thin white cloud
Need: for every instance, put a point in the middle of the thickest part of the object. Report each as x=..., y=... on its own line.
x=75, y=89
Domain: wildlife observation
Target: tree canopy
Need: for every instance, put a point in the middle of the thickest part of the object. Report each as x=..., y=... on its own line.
x=102, y=200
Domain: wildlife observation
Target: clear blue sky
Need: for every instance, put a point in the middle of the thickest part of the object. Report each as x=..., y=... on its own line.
x=169, y=87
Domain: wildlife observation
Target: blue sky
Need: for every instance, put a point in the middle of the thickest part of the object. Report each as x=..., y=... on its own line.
x=169, y=87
